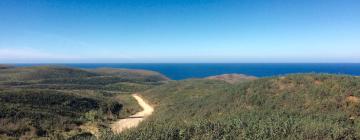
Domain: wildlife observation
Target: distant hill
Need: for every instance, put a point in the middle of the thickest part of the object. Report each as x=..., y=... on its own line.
x=2, y=66
x=58, y=72
x=43, y=72
x=302, y=106
x=131, y=74
x=232, y=78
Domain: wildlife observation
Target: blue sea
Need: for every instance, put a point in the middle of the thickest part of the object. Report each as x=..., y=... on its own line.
x=184, y=71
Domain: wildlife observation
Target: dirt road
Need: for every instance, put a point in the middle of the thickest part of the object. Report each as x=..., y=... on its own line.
x=135, y=119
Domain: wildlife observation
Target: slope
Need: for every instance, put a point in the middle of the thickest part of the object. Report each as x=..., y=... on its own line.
x=303, y=106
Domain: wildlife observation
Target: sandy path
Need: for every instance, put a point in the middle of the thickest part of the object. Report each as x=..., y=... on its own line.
x=135, y=119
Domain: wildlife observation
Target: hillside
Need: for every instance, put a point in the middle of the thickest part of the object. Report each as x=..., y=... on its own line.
x=232, y=78
x=131, y=74
x=2, y=66
x=56, y=77
x=59, y=72
x=303, y=106
x=41, y=113
x=42, y=72
x=56, y=102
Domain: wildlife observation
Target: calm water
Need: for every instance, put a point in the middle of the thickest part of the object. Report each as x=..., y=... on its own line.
x=184, y=71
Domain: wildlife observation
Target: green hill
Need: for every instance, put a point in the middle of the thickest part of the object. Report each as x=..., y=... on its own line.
x=305, y=106
x=232, y=78
x=54, y=102
x=2, y=66
x=56, y=77
x=42, y=72
x=144, y=75
x=58, y=72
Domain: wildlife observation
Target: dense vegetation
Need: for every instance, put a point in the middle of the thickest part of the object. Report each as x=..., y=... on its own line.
x=303, y=106
x=63, y=103
x=67, y=103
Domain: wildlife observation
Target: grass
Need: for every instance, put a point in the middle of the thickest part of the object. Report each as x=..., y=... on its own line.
x=302, y=106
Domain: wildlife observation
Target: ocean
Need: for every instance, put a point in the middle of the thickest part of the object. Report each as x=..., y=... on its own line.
x=185, y=71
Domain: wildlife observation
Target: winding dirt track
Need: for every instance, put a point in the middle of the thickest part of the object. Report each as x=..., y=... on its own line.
x=135, y=119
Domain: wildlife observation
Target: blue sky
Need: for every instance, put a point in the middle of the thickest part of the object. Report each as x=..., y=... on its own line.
x=126, y=31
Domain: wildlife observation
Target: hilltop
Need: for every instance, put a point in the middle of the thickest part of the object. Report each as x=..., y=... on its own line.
x=146, y=75
x=232, y=78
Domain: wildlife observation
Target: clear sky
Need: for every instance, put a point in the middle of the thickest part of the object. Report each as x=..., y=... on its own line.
x=126, y=31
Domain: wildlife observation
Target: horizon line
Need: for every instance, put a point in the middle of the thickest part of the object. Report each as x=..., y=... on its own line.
x=44, y=63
